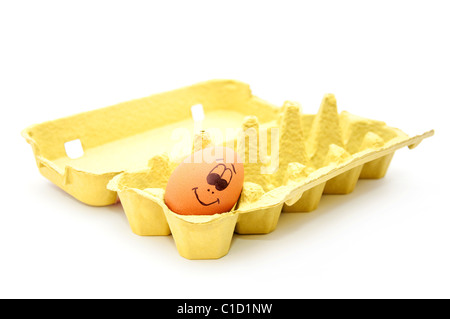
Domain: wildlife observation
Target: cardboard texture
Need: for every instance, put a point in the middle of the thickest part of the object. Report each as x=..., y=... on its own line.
x=127, y=153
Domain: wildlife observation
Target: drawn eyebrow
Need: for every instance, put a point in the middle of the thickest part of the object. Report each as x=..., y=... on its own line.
x=219, y=159
x=233, y=168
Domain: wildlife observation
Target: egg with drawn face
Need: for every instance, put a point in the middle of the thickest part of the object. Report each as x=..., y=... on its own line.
x=207, y=182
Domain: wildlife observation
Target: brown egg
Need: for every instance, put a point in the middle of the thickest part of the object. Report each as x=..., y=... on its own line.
x=207, y=182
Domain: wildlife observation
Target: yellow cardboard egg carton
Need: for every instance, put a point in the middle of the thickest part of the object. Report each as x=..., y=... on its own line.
x=127, y=152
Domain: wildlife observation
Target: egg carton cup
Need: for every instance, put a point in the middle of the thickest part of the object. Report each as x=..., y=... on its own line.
x=210, y=236
x=295, y=187
x=126, y=156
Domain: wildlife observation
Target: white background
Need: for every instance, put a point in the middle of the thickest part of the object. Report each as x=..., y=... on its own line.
x=386, y=60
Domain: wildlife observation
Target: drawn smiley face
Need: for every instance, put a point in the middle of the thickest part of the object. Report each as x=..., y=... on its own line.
x=206, y=188
x=219, y=177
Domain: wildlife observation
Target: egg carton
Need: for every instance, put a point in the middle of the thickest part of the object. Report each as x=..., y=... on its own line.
x=127, y=154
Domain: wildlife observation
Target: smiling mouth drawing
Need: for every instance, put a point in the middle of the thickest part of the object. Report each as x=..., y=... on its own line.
x=204, y=204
